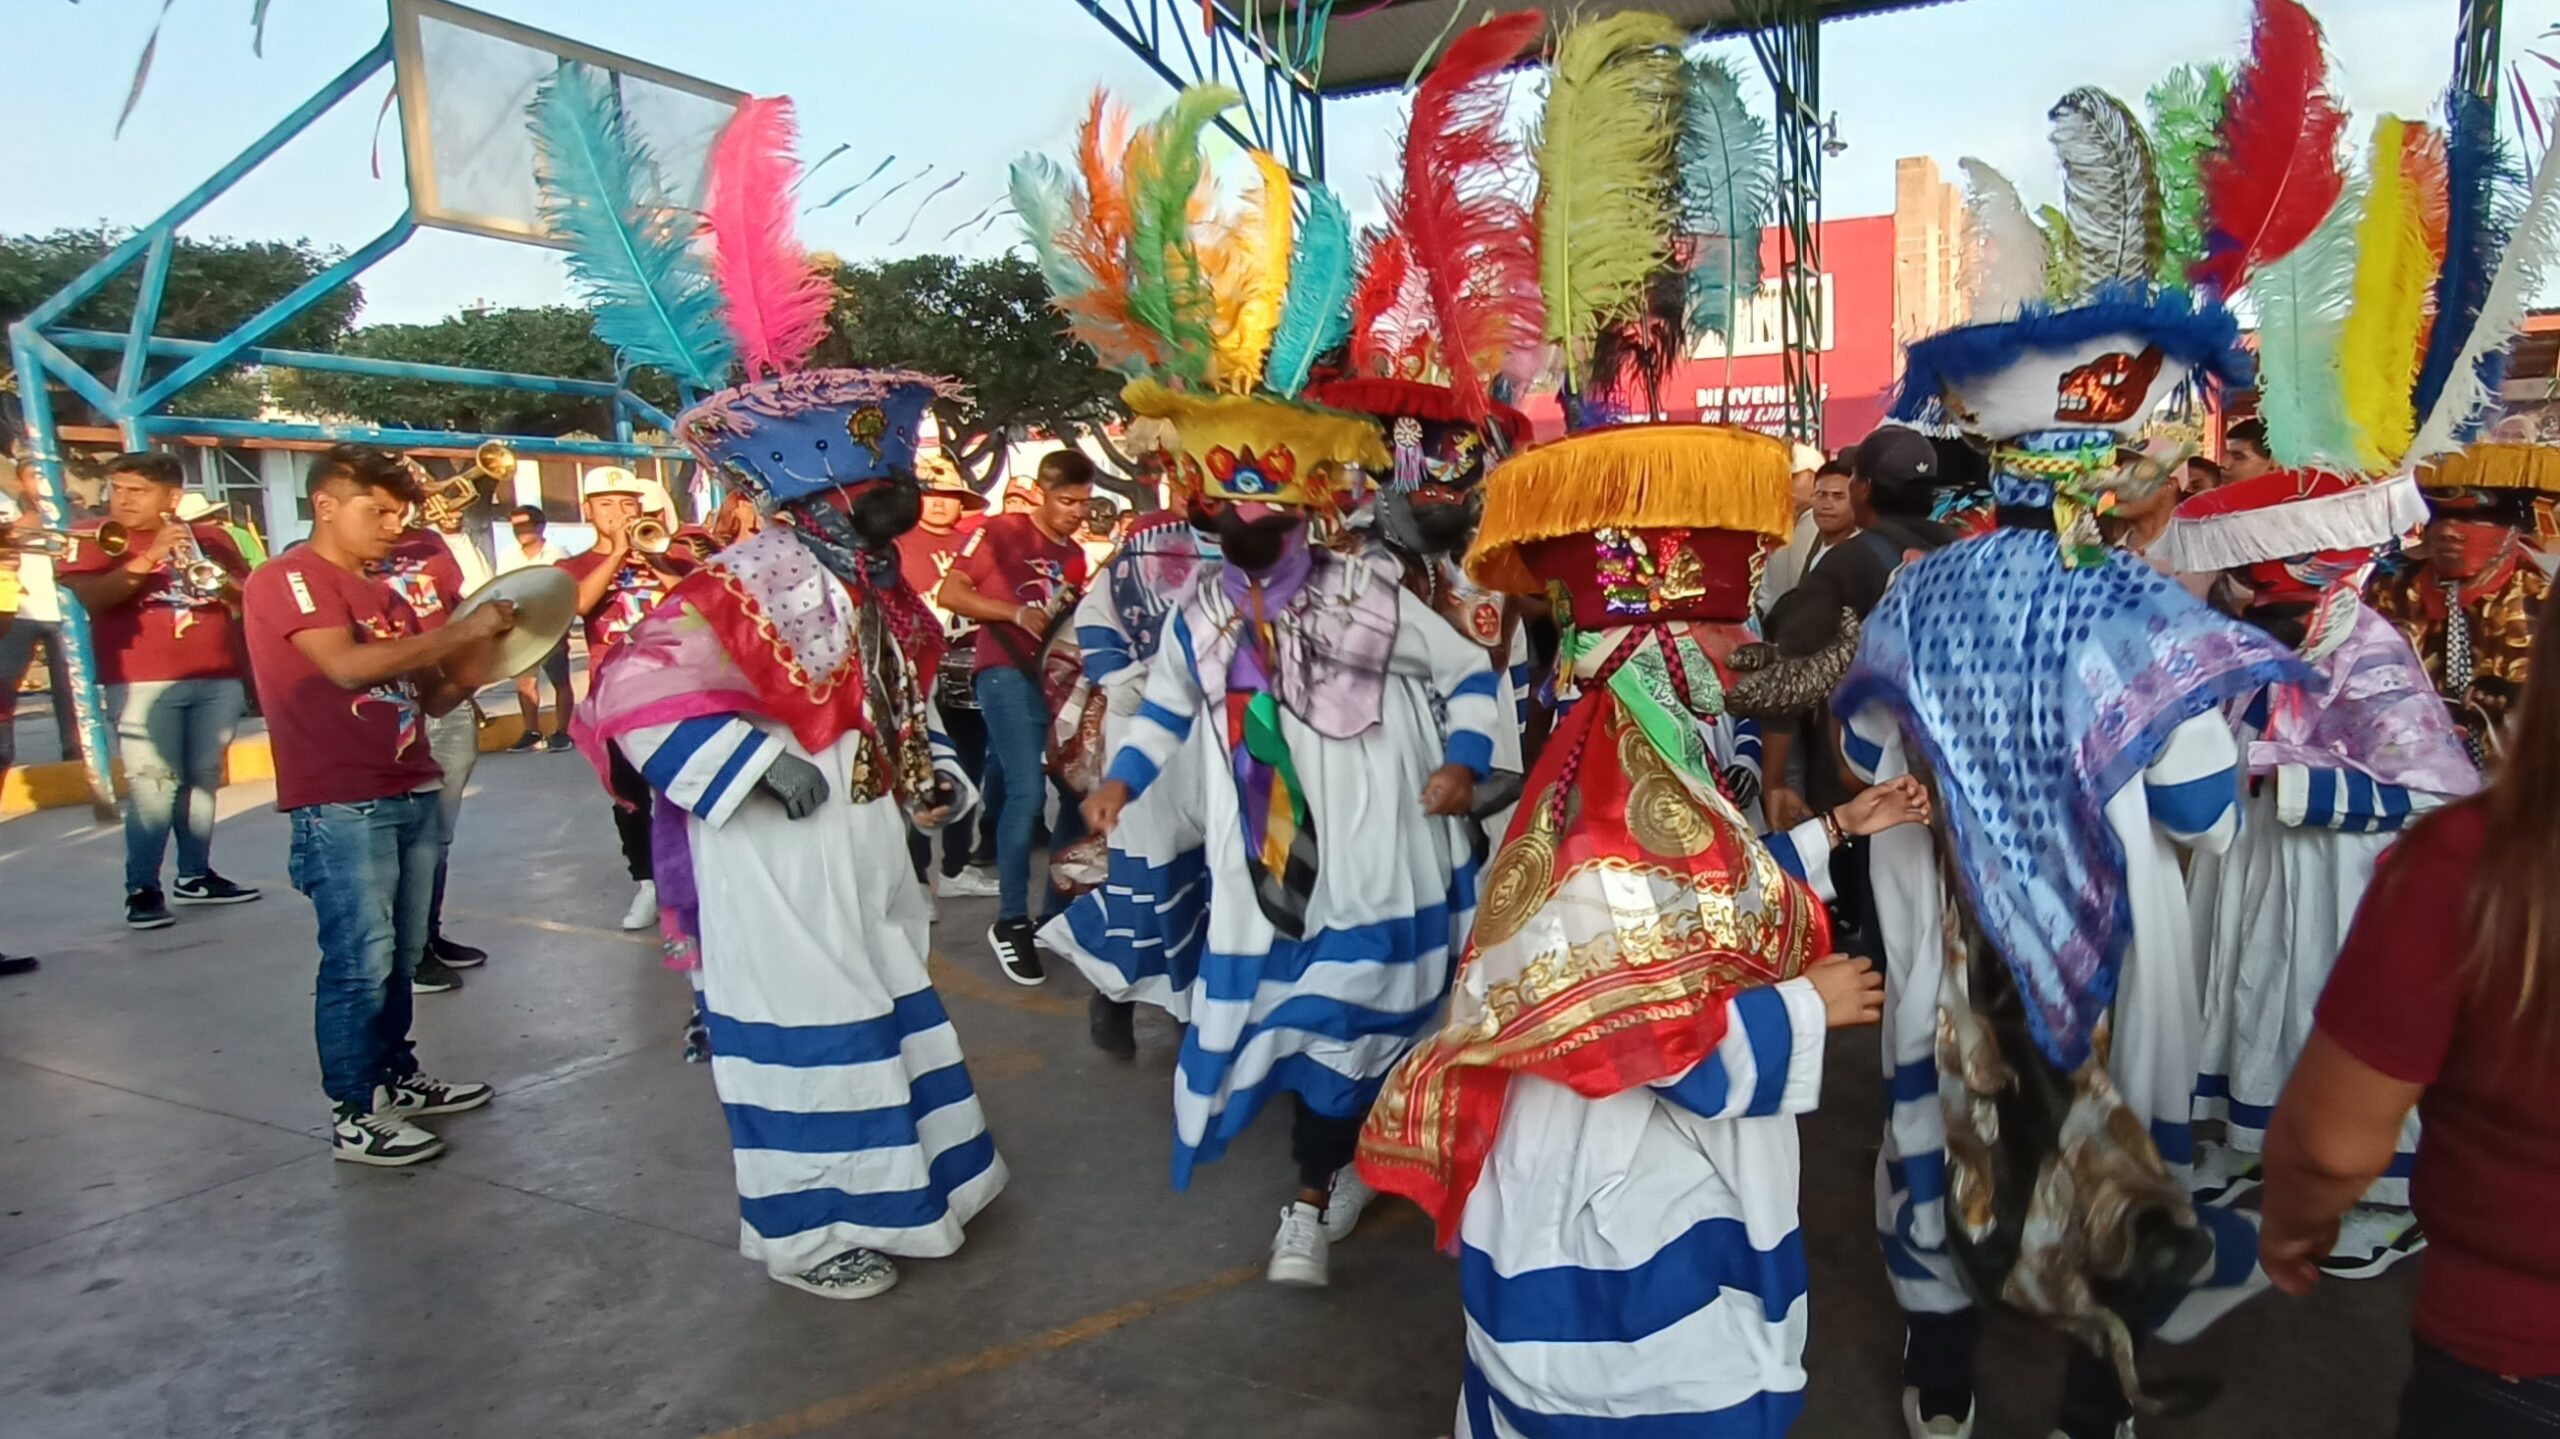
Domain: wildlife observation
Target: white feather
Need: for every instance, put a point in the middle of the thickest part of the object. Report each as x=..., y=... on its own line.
x=2530, y=250
x=2004, y=251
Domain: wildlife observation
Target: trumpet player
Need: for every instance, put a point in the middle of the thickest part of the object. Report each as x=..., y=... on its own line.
x=36, y=620
x=163, y=597
x=619, y=583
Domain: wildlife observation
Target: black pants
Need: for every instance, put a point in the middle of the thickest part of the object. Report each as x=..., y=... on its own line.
x=2448, y=1399
x=1322, y=1144
x=1937, y=1360
x=631, y=817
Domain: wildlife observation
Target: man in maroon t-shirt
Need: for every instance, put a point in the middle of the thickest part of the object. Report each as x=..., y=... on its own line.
x=1015, y=576
x=424, y=572
x=617, y=587
x=350, y=678
x=949, y=514
x=167, y=657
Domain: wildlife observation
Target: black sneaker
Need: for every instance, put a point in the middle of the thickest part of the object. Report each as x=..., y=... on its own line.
x=454, y=954
x=145, y=909
x=380, y=1135
x=416, y=1094
x=559, y=744
x=210, y=888
x=1113, y=1023
x=434, y=976
x=19, y=964
x=1016, y=954
x=526, y=743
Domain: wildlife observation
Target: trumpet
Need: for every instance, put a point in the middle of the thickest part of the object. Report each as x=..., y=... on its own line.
x=56, y=543
x=650, y=537
x=449, y=498
x=200, y=578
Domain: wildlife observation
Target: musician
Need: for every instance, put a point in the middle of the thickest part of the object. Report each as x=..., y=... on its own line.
x=422, y=569
x=348, y=677
x=36, y=620
x=1015, y=576
x=925, y=554
x=531, y=549
x=618, y=585
x=168, y=656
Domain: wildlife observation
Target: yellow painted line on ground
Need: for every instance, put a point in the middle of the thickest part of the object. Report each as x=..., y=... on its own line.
x=903, y=1387
x=998, y=1065
x=980, y=984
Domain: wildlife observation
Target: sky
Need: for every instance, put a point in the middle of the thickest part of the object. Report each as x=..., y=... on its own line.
x=965, y=86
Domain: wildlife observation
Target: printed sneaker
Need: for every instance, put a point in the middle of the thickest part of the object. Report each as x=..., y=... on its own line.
x=145, y=909
x=1351, y=1194
x=644, y=906
x=420, y=1094
x=1016, y=953
x=433, y=976
x=854, y=1274
x=2372, y=1238
x=1299, y=1250
x=526, y=743
x=380, y=1136
x=1933, y=1426
x=697, y=1041
x=454, y=954
x=210, y=888
x=1113, y=1024
x=969, y=883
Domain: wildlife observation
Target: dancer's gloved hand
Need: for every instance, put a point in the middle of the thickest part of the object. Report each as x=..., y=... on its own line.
x=1852, y=992
x=800, y=785
x=1741, y=784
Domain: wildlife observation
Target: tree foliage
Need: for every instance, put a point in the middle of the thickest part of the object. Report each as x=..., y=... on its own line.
x=214, y=285
x=554, y=340
x=988, y=322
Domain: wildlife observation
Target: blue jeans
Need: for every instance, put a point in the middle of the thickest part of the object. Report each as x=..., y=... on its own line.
x=172, y=734
x=1017, y=748
x=454, y=739
x=2448, y=1399
x=17, y=650
x=369, y=870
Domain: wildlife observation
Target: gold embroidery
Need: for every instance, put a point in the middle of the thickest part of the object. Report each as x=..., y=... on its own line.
x=1517, y=884
x=1662, y=818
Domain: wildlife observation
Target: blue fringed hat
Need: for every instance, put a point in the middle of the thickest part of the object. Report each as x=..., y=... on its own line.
x=804, y=434
x=2105, y=364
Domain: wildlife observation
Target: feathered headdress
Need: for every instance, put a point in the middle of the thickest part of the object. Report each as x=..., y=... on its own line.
x=2273, y=176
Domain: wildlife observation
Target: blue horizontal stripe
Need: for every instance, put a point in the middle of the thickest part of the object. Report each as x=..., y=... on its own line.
x=2191, y=807
x=816, y=1046
x=1863, y=755
x=1763, y=1012
x=1324, y=1090
x=1913, y=1082
x=2361, y=808
x=1705, y=1090
x=2175, y=1141
x=1472, y=749
x=1762, y=1416
x=845, y=1131
x=2235, y=1247
x=1902, y=1262
x=1146, y=920
x=1568, y=1304
x=2403, y=1164
x=2395, y=805
x=1922, y=1177
x=778, y=1216
x=1782, y=848
x=1240, y=977
x=1105, y=652
x=2320, y=804
x=1131, y=767
x=1172, y=723
x=748, y=748
x=668, y=760
x=2248, y=1116
x=1483, y=683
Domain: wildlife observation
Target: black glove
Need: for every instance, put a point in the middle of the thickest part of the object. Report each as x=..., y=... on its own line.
x=1742, y=785
x=800, y=785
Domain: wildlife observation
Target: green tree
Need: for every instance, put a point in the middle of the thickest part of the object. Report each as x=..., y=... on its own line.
x=214, y=285
x=987, y=323
x=554, y=340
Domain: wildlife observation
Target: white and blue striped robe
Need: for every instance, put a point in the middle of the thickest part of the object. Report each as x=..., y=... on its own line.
x=1137, y=936
x=851, y=1116
x=2188, y=798
x=1323, y=1017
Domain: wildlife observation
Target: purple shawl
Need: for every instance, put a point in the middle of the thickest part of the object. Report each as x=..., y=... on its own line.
x=2368, y=707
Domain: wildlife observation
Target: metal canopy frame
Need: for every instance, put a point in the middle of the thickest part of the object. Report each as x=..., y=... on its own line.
x=42, y=345
x=1283, y=110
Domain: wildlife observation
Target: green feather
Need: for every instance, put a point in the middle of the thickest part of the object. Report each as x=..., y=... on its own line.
x=1605, y=146
x=1168, y=289
x=2186, y=112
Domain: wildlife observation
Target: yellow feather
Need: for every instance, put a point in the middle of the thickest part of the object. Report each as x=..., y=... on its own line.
x=1604, y=149
x=1248, y=264
x=2395, y=272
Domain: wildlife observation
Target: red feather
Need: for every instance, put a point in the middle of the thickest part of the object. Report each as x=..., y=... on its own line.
x=2274, y=175
x=1390, y=314
x=775, y=303
x=1468, y=227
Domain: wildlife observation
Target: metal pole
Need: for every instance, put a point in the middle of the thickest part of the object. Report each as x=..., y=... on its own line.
x=79, y=658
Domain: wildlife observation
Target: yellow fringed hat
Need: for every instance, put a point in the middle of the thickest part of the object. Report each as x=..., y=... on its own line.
x=2497, y=467
x=1636, y=521
x=1249, y=447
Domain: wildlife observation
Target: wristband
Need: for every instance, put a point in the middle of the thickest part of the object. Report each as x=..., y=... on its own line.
x=1831, y=829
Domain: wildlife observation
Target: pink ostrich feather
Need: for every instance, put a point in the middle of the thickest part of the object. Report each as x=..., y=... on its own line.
x=776, y=303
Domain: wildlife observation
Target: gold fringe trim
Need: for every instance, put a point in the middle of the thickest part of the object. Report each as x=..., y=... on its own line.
x=1629, y=477
x=1203, y=422
x=2497, y=467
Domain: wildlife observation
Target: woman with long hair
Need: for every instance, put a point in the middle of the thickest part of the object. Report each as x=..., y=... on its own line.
x=2467, y=1030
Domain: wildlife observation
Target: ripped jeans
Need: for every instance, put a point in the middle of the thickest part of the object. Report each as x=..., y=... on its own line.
x=172, y=735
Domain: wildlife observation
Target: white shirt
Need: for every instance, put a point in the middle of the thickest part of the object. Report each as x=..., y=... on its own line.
x=513, y=557
x=38, y=600
x=466, y=555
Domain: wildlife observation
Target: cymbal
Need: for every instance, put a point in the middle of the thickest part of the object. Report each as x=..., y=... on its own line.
x=546, y=602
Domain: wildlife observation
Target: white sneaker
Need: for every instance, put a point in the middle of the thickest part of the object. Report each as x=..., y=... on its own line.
x=854, y=1274
x=1939, y=1428
x=1299, y=1250
x=970, y=883
x=644, y=906
x=1351, y=1194
x=2372, y=1238
x=2123, y=1431
x=380, y=1136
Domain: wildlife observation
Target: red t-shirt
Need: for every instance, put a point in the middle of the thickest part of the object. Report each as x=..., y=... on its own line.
x=333, y=746
x=422, y=571
x=1011, y=558
x=158, y=633
x=2488, y=1174
x=636, y=590
x=925, y=557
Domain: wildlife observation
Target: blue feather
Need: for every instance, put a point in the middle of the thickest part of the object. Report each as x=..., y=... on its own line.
x=2473, y=239
x=1727, y=185
x=1315, y=316
x=631, y=252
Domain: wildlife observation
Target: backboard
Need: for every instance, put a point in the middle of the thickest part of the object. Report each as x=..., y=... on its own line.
x=465, y=80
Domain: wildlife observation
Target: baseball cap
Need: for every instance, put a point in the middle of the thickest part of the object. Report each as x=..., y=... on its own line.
x=611, y=480
x=1802, y=457
x=1896, y=457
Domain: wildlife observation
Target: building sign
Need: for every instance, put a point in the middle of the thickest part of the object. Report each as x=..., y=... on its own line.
x=1759, y=325
x=1755, y=407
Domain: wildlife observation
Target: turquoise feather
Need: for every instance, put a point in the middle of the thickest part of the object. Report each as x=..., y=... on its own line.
x=1316, y=316
x=1728, y=184
x=2302, y=302
x=1044, y=198
x=631, y=252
